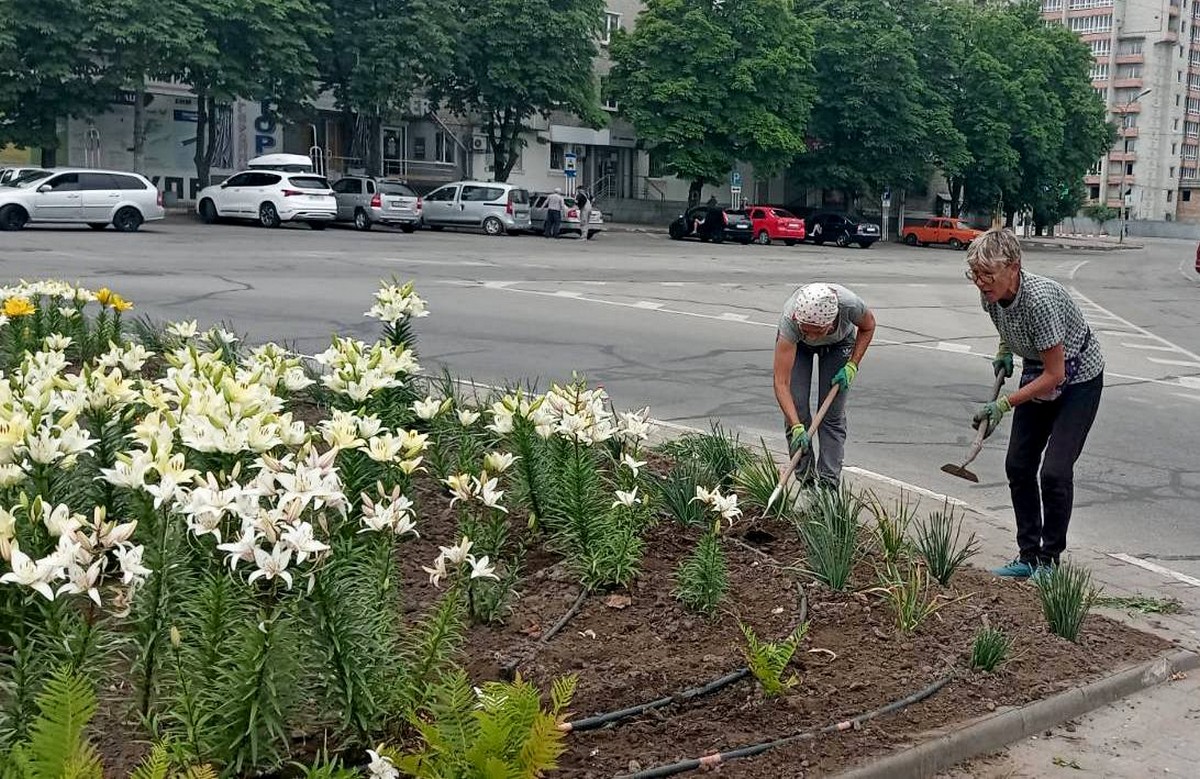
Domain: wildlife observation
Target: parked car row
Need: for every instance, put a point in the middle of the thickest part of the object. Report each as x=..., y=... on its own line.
x=767, y=224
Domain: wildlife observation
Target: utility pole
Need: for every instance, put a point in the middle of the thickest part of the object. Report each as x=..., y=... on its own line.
x=1125, y=162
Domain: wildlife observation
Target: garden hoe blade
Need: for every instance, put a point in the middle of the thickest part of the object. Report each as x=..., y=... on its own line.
x=961, y=471
x=791, y=467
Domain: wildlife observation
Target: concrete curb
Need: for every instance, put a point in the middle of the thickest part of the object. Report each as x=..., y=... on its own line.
x=998, y=730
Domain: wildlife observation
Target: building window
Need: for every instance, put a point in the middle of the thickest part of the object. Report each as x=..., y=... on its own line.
x=418, y=150
x=1085, y=25
x=1186, y=195
x=558, y=153
x=1102, y=47
x=1129, y=169
x=1191, y=151
x=612, y=23
x=607, y=100
x=1193, y=105
x=443, y=146
x=1051, y=5
x=1170, y=195
x=1094, y=192
x=1076, y=5
x=1100, y=71
x=1130, y=47
x=1129, y=120
x=658, y=167
x=1191, y=129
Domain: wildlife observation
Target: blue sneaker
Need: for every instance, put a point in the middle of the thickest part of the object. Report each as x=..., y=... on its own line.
x=1017, y=569
x=1044, y=571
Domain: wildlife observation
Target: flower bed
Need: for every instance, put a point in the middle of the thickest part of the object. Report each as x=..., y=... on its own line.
x=257, y=564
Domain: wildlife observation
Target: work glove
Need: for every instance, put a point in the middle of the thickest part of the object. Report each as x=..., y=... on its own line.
x=844, y=377
x=1003, y=362
x=991, y=414
x=797, y=439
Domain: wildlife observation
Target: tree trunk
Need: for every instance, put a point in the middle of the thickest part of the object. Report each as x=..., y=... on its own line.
x=956, y=187
x=49, y=156
x=695, y=190
x=201, y=156
x=139, y=126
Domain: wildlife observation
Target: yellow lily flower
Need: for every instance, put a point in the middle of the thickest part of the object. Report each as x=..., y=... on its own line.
x=18, y=306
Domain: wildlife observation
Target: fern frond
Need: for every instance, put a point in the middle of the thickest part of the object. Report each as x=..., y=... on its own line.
x=58, y=747
x=156, y=765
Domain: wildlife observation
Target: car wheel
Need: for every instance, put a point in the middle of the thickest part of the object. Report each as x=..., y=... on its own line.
x=268, y=216
x=719, y=237
x=789, y=242
x=744, y=241
x=592, y=234
x=208, y=212
x=911, y=239
x=318, y=225
x=864, y=244
x=675, y=231
x=437, y=228
x=13, y=217
x=408, y=228
x=98, y=225
x=955, y=243
x=763, y=238
x=493, y=226
x=361, y=220
x=843, y=240
x=127, y=220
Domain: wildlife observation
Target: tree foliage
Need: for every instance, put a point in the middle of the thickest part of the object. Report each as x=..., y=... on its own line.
x=708, y=84
x=517, y=59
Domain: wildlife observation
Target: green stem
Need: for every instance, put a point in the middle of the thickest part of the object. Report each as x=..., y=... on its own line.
x=189, y=707
x=155, y=617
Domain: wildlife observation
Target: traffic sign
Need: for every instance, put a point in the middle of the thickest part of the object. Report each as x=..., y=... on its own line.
x=887, y=197
x=735, y=179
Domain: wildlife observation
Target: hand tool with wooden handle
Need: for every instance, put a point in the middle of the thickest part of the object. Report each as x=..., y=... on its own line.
x=812, y=432
x=961, y=470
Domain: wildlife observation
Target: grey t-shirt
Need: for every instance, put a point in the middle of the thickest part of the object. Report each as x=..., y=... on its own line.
x=851, y=310
x=1044, y=315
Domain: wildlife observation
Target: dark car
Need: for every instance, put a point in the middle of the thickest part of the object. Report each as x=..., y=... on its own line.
x=842, y=229
x=733, y=225
x=1198, y=258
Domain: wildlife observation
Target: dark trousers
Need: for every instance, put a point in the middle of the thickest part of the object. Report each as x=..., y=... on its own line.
x=553, y=224
x=1049, y=436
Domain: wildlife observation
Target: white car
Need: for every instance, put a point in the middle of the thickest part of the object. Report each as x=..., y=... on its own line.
x=97, y=198
x=11, y=174
x=269, y=197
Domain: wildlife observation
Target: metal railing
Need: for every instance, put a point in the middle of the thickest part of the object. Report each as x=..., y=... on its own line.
x=602, y=188
x=652, y=189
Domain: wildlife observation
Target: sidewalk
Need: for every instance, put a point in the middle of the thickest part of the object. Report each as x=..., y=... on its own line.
x=1148, y=735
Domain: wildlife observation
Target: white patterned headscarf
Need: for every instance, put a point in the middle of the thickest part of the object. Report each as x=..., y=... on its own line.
x=816, y=305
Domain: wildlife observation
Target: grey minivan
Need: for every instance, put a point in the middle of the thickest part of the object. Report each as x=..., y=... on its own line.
x=366, y=201
x=496, y=207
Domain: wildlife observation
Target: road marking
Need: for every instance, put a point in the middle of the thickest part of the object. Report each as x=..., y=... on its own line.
x=496, y=284
x=1132, y=326
x=648, y=304
x=1155, y=347
x=1156, y=568
x=946, y=346
x=941, y=498
x=593, y=283
x=1180, y=363
x=1186, y=396
x=670, y=283
x=1071, y=273
x=1121, y=334
x=567, y=293
x=735, y=317
x=1190, y=381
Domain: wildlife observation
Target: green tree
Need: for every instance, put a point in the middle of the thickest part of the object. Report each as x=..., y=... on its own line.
x=143, y=39
x=255, y=50
x=710, y=83
x=1100, y=214
x=378, y=55
x=872, y=122
x=516, y=59
x=50, y=71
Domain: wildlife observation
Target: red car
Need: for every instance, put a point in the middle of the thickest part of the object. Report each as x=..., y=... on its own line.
x=775, y=224
x=1198, y=258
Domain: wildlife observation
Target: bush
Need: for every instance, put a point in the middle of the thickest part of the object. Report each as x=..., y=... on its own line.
x=1066, y=594
x=830, y=531
x=939, y=543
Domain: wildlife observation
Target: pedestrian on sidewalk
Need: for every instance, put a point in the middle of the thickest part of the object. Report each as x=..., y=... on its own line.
x=554, y=210
x=1062, y=375
x=583, y=200
x=833, y=325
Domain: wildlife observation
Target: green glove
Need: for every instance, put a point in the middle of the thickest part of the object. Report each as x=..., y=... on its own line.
x=846, y=375
x=1004, y=361
x=797, y=439
x=991, y=414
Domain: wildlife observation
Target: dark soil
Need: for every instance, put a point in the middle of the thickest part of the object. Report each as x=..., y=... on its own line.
x=653, y=647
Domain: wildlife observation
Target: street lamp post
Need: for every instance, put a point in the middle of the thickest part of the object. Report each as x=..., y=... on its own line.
x=1125, y=161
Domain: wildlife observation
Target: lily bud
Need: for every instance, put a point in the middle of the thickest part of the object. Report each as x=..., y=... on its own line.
x=176, y=638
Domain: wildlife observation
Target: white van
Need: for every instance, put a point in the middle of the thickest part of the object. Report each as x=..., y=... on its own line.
x=496, y=207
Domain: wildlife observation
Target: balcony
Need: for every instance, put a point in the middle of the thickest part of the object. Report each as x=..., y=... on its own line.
x=1134, y=82
x=1130, y=59
x=1123, y=156
x=1127, y=132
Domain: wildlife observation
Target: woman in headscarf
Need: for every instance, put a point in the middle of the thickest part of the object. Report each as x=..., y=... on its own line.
x=1062, y=377
x=832, y=324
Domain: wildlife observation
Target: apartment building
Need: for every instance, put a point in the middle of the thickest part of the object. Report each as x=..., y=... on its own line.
x=1146, y=67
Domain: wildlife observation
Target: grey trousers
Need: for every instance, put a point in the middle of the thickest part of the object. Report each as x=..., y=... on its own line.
x=831, y=437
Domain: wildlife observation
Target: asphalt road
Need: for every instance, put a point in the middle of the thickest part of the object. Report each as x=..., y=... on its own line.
x=688, y=329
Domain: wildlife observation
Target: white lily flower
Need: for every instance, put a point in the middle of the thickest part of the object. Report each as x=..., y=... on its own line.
x=627, y=499
x=300, y=539
x=183, y=330
x=726, y=506
x=130, y=558
x=631, y=463
x=29, y=573
x=57, y=342
x=426, y=409
x=459, y=553
x=241, y=550
x=438, y=571
x=498, y=462
x=384, y=448
x=83, y=581
x=11, y=475
x=488, y=494
x=481, y=569
x=703, y=495
x=461, y=486
x=502, y=422
x=381, y=766
x=272, y=564
x=467, y=417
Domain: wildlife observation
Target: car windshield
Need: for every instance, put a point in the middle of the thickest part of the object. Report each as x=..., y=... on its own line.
x=309, y=182
x=396, y=188
x=962, y=226
x=782, y=214
x=28, y=177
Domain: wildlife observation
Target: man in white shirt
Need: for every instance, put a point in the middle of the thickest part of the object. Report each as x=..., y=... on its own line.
x=554, y=210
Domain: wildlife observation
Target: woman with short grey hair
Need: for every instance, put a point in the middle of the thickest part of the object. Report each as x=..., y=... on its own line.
x=1062, y=375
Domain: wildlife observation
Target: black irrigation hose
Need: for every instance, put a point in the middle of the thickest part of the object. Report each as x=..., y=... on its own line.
x=591, y=723
x=711, y=761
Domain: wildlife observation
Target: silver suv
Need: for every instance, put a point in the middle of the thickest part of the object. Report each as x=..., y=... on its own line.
x=496, y=207
x=97, y=198
x=366, y=202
